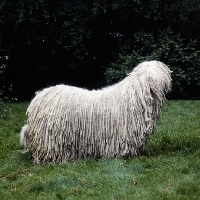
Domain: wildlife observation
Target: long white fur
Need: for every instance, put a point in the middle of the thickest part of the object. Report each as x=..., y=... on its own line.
x=66, y=122
x=23, y=142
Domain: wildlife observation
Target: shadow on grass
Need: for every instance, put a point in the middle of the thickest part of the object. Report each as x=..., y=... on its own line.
x=169, y=145
x=25, y=157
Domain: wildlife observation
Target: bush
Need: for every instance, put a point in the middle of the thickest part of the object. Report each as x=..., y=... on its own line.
x=3, y=96
x=166, y=47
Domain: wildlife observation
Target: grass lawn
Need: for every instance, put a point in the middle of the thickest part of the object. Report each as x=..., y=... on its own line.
x=168, y=169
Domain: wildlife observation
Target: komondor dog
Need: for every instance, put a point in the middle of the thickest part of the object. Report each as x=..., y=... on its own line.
x=66, y=122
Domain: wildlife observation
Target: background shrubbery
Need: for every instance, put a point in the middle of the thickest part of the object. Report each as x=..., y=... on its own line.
x=169, y=47
x=2, y=87
x=67, y=41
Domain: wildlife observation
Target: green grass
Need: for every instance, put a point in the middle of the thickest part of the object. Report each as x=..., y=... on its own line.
x=168, y=169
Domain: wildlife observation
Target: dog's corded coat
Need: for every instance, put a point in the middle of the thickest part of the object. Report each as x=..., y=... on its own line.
x=66, y=122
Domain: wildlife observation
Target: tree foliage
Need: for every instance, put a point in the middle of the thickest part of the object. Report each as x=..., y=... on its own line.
x=53, y=42
x=4, y=89
x=170, y=48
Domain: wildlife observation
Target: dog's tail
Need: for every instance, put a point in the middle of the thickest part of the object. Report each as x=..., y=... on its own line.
x=23, y=139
